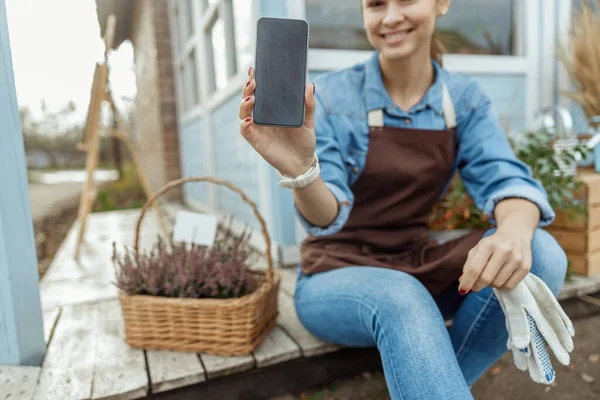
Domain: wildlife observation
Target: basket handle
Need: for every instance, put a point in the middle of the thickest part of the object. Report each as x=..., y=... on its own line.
x=216, y=181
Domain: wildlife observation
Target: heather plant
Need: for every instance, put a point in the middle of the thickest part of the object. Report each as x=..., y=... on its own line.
x=187, y=270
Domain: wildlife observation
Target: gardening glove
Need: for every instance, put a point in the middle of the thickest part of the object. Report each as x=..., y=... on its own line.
x=551, y=309
x=534, y=358
x=519, y=355
x=532, y=317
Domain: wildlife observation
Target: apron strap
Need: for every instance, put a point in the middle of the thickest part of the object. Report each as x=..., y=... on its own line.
x=448, y=108
x=375, y=117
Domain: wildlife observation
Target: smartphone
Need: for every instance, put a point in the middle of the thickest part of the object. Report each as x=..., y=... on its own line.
x=280, y=72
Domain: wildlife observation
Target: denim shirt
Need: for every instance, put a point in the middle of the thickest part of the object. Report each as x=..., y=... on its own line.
x=485, y=161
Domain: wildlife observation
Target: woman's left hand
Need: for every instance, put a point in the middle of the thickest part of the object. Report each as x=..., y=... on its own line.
x=500, y=260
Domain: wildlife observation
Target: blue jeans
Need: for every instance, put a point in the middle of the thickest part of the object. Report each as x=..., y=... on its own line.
x=422, y=359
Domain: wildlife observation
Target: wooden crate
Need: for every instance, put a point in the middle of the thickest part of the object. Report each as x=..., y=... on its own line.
x=581, y=238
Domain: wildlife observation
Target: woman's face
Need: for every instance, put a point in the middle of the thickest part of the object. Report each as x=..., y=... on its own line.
x=399, y=28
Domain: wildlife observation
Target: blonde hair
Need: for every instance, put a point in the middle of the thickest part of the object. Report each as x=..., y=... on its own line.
x=437, y=49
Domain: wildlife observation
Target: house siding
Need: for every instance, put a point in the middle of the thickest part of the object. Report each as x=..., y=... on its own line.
x=235, y=161
x=192, y=161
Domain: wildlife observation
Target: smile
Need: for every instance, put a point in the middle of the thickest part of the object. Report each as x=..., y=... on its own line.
x=397, y=37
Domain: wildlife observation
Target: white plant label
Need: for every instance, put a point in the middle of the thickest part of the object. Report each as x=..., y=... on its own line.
x=195, y=228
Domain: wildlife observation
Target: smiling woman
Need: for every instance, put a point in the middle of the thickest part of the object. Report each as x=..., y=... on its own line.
x=471, y=27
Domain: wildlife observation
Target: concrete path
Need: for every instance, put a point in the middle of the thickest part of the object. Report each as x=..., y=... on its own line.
x=52, y=192
x=49, y=199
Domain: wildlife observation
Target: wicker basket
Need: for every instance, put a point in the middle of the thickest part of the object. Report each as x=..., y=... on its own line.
x=233, y=326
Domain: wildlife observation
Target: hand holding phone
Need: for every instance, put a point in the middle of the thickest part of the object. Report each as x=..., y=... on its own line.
x=287, y=148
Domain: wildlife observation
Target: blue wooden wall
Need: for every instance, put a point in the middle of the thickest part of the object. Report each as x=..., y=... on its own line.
x=21, y=329
x=192, y=159
x=235, y=161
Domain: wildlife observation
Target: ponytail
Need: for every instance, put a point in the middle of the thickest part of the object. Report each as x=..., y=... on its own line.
x=437, y=49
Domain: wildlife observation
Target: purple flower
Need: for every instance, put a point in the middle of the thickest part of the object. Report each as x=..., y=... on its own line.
x=177, y=269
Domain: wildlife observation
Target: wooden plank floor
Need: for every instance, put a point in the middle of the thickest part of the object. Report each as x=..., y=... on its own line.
x=18, y=382
x=87, y=357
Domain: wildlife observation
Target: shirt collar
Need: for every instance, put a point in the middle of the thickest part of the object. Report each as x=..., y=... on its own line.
x=377, y=96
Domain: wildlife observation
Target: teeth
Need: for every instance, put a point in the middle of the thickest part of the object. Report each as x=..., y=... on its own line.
x=396, y=36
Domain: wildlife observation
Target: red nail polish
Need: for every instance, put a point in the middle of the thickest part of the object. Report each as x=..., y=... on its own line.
x=248, y=119
x=248, y=83
x=247, y=98
x=462, y=292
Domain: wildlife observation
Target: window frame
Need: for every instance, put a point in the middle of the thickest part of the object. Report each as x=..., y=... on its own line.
x=527, y=63
x=204, y=16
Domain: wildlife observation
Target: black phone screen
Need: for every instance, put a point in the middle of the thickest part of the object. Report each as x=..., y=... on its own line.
x=281, y=54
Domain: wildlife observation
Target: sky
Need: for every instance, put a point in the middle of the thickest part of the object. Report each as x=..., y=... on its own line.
x=55, y=45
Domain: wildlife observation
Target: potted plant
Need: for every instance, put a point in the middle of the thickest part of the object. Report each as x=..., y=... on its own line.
x=456, y=210
x=187, y=297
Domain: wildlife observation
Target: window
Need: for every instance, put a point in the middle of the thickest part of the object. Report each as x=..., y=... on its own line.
x=229, y=31
x=189, y=81
x=218, y=35
x=206, y=3
x=470, y=27
x=184, y=21
x=217, y=40
x=183, y=29
x=243, y=27
x=478, y=27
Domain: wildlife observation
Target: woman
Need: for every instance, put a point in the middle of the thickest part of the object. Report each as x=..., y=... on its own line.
x=389, y=135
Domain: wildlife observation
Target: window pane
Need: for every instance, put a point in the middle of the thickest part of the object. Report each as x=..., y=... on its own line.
x=179, y=41
x=217, y=38
x=478, y=27
x=205, y=3
x=190, y=82
x=242, y=14
x=336, y=24
x=185, y=16
x=471, y=26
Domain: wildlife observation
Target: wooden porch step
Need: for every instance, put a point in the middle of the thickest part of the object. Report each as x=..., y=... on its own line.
x=18, y=382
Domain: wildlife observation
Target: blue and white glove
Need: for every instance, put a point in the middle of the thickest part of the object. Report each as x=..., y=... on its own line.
x=533, y=318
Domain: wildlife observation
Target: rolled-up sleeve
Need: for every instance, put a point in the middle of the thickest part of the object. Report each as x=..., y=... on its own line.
x=487, y=164
x=333, y=172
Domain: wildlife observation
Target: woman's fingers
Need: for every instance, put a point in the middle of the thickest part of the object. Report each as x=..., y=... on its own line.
x=490, y=271
x=503, y=275
x=249, y=87
x=250, y=84
x=476, y=261
x=246, y=107
x=247, y=96
x=309, y=96
x=245, y=129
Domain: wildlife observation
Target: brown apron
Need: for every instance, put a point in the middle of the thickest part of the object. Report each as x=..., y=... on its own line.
x=405, y=173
